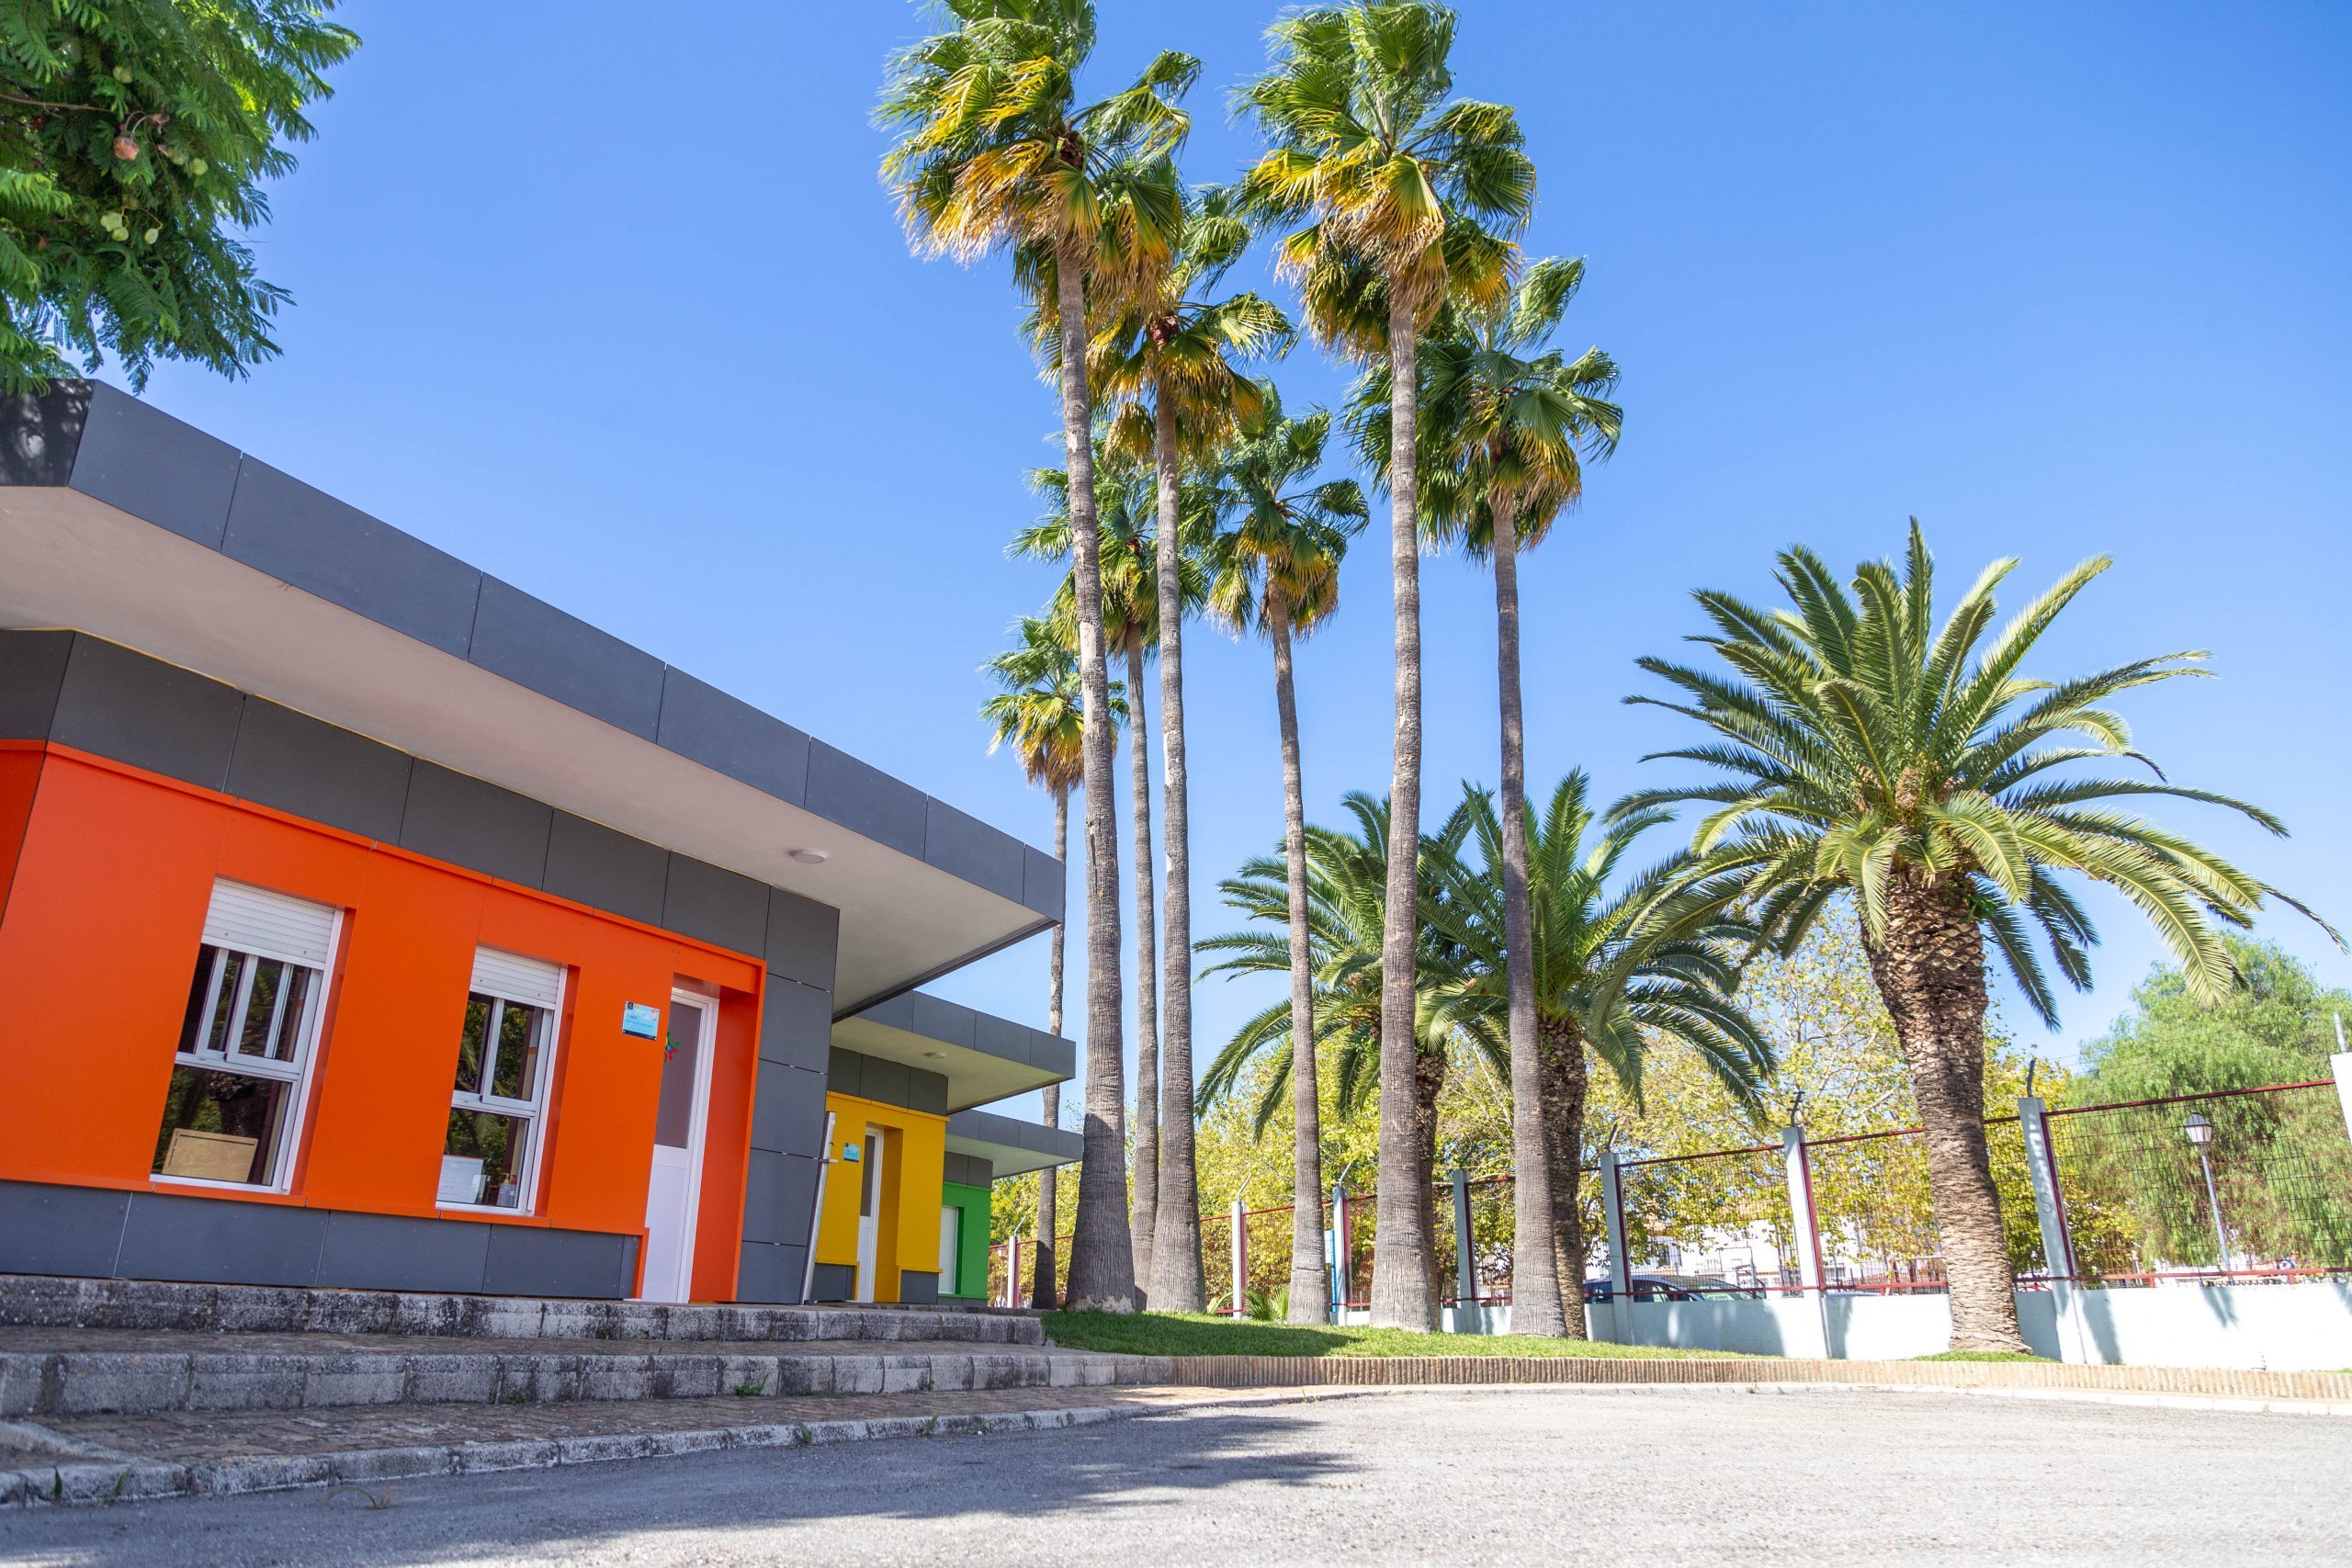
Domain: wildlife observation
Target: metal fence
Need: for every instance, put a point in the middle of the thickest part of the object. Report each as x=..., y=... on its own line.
x=2238, y=1185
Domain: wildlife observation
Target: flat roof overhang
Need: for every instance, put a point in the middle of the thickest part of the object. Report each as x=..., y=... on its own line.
x=983, y=1057
x=1012, y=1146
x=118, y=521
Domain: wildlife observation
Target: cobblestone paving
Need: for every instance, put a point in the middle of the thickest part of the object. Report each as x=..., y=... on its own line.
x=185, y=1436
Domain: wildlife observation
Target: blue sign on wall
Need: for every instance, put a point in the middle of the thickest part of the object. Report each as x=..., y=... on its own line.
x=640, y=1021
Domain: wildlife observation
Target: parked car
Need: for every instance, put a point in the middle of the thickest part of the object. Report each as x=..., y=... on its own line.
x=1671, y=1288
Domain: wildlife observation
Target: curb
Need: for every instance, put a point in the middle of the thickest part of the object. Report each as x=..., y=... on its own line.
x=84, y=1481
x=1394, y=1371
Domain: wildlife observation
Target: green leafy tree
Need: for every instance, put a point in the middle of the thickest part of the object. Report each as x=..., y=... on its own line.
x=138, y=135
x=1402, y=196
x=1507, y=425
x=997, y=152
x=1875, y=755
x=1276, y=561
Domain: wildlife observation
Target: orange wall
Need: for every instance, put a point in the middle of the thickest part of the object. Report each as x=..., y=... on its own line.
x=20, y=772
x=99, y=939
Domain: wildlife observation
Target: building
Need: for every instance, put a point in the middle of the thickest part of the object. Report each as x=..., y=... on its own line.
x=369, y=922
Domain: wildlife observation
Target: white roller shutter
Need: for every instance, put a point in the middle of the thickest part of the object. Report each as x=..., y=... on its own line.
x=256, y=920
x=515, y=978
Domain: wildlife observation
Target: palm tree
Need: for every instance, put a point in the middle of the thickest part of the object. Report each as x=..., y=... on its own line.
x=1404, y=193
x=1873, y=754
x=1578, y=940
x=1346, y=897
x=1131, y=625
x=996, y=152
x=1040, y=715
x=1277, y=567
x=1176, y=350
x=1507, y=423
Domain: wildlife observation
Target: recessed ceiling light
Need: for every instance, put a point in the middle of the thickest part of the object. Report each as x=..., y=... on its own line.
x=936, y=1055
x=809, y=857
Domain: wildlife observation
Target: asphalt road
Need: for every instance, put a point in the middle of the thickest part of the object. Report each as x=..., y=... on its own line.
x=1649, y=1477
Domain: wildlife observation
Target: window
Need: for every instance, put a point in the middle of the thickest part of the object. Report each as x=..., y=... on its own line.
x=505, y=1054
x=246, y=1040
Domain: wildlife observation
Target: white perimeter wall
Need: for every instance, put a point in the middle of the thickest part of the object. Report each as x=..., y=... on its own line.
x=2303, y=1326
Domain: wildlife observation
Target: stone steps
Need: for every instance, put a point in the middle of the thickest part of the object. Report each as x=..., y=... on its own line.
x=41, y=1301
x=63, y=1372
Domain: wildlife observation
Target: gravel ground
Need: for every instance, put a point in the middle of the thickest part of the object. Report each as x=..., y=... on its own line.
x=1653, y=1476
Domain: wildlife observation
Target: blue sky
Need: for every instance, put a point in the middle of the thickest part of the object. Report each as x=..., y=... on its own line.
x=622, y=314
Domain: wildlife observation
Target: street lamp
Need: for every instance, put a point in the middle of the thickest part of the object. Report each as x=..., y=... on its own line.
x=2199, y=1133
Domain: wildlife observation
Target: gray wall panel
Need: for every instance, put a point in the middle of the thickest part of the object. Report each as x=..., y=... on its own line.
x=964, y=846
x=529, y=1260
x=1045, y=883
x=149, y=713
x=40, y=436
x=60, y=1230
x=770, y=1273
x=312, y=769
x=730, y=736
x=139, y=459
x=926, y=1091
x=399, y=1252
x=844, y=1072
x=788, y=1110
x=796, y=1025
x=833, y=1282
x=306, y=537
x=804, y=939
x=865, y=799
x=32, y=674
x=535, y=645
x=591, y=863
x=221, y=1241
x=884, y=1081
x=454, y=817
x=778, y=1189
x=918, y=1287
x=714, y=906
x=932, y=1017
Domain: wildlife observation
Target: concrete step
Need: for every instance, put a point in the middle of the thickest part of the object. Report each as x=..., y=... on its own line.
x=47, y=1371
x=42, y=1301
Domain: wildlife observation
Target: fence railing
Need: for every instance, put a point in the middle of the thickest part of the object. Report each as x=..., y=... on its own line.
x=2232, y=1186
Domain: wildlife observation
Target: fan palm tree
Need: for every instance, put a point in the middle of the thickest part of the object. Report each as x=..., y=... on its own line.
x=1040, y=714
x=1127, y=525
x=1578, y=939
x=1404, y=194
x=1346, y=897
x=1171, y=356
x=1875, y=755
x=1276, y=567
x=1507, y=423
x=997, y=151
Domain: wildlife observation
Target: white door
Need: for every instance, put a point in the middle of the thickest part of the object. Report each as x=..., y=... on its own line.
x=671, y=1199
x=869, y=1215
x=951, y=1249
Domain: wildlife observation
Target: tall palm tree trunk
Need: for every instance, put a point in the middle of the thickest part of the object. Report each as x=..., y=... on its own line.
x=1147, y=1128
x=1041, y=1290
x=1176, y=1282
x=1930, y=966
x=1535, y=1282
x=1101, y=1264
x=1310, y=1274
x=1563, y=1098
x=1429, y=1083
x=1401, y=1293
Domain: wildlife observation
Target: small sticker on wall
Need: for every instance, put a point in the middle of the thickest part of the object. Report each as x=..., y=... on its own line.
x=852, y=1153
x=640, y=1020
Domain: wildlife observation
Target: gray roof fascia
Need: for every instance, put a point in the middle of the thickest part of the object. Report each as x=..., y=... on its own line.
x=104, y=444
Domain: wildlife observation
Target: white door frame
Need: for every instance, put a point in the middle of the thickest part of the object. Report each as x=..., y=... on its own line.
x=867, y=1276
x=697, y=1126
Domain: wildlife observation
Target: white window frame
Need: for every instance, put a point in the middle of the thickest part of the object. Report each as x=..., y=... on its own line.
x=294, y=1071
x=532, y=1111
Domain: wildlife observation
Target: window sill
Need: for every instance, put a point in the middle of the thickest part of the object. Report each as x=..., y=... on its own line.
x=205, y=1184
x=486, y=1210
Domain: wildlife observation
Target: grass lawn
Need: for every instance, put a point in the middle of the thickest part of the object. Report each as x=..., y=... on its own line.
x=1980, y=1355
x=1188, y=1333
